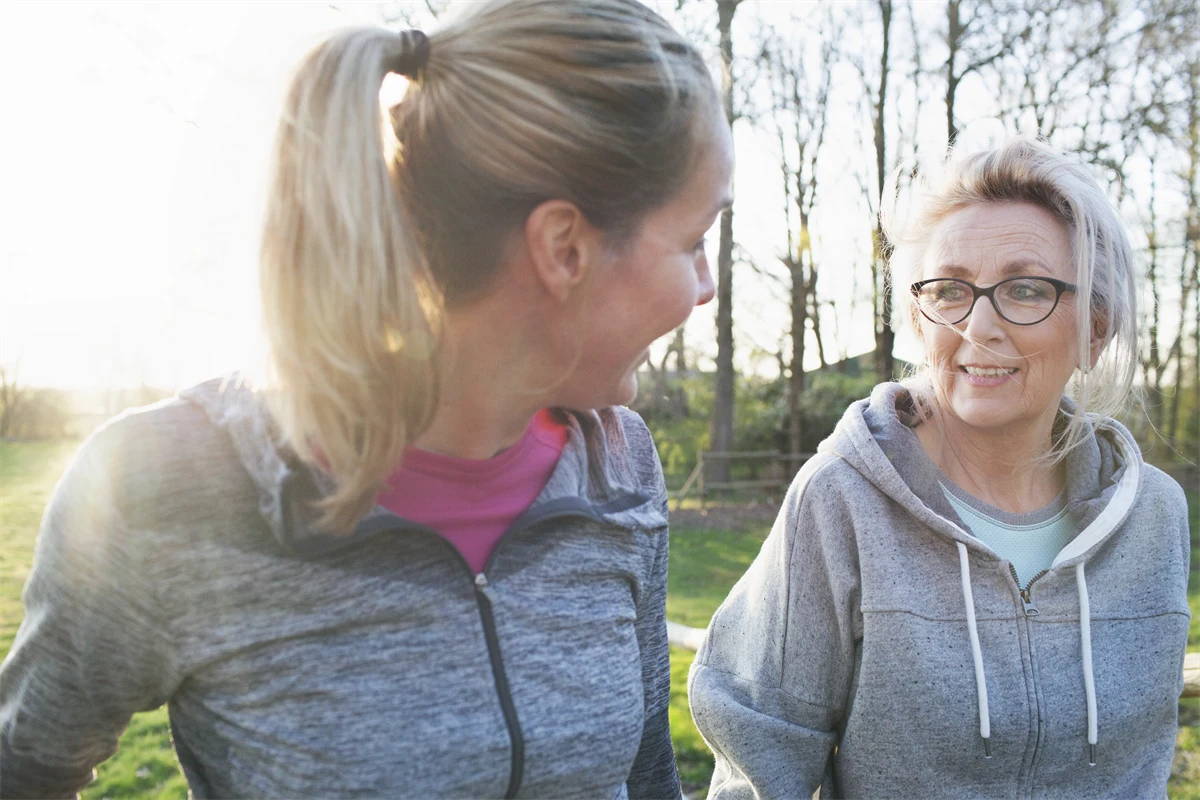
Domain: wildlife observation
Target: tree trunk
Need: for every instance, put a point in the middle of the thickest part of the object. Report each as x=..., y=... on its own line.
x=814, y=313
x=953, y=34
x=885, y=337
x=796, y=371
x=1154, y=361
x=680, y=356
x=723, y=400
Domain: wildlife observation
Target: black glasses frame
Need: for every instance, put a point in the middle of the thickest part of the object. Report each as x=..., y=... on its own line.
x=1060, y=288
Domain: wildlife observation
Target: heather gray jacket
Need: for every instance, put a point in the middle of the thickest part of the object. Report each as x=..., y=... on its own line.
x=874, y=643
x=178, y=564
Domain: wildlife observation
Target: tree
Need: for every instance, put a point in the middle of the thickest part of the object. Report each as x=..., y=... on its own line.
x=723, y=399
x=797, y=118
x=12, y=398
x=881, y=273
x=977, y=35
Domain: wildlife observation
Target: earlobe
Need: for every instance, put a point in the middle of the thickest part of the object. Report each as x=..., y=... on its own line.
x=1098, y=341
x=562, y=246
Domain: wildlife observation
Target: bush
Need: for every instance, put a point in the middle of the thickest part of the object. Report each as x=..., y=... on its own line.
x=760, y=422
x=37, y=414
x=825, y=400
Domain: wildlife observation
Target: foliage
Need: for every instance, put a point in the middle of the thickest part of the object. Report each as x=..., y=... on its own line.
x=760, y=414
x=35, y=414
x=42, y=414
x=761, y=421
x=825, y=400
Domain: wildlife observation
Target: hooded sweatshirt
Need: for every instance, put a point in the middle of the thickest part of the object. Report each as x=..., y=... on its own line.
x=876, y=649
x=179, y=563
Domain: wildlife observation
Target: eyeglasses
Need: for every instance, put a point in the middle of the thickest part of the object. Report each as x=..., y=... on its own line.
x=1021, y=301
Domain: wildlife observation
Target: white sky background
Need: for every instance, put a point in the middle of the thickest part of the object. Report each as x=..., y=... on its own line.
x=133, y=161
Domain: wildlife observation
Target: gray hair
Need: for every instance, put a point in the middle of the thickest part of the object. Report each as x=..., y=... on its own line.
x=1030, y=171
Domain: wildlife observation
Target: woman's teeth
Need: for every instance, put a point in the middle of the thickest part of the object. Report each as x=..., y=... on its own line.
x=989, y=372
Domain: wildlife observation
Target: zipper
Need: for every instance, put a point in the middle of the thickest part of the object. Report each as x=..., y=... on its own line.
x=1031, y=609
x=503, y=691
x=488, y=619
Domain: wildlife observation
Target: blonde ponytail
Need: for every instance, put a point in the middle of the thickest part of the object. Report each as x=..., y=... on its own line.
x=372, y=229
x=351, y=310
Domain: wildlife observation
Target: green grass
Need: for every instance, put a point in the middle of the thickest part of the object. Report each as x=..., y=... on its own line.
x=1193, y=499
x=704, y=566
x=28, y=471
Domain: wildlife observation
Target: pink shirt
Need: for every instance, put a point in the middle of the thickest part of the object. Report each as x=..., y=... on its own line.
x=472, y=503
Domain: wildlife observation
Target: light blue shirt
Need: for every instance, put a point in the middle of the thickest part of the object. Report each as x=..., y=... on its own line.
x=1030, y=541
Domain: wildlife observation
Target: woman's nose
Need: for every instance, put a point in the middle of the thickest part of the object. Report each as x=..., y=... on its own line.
x=984, y=323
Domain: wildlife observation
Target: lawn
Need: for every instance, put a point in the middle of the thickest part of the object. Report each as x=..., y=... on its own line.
x=705, y=562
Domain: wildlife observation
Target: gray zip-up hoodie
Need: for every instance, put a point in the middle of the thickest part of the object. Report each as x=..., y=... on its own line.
x=876, y=649
x=178, y=564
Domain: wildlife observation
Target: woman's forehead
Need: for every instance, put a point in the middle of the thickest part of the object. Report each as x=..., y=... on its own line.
x=1009, y=238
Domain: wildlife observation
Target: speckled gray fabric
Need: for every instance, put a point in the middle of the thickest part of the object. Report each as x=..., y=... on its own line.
x=178, y=564
x=842, y=659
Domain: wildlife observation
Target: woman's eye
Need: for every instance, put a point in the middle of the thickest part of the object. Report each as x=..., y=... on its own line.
x=1027, y=290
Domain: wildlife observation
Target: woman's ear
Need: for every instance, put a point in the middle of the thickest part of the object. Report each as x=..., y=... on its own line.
x=1099, y=338
x=563, y=246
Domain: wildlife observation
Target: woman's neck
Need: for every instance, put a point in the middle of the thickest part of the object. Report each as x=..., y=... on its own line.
x=486, y=397
x=1006, y=469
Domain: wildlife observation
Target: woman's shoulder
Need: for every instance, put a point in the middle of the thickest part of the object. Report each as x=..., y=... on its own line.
x=160, y=461
x=620, y=438
x=1158, y=484
x=828, y=475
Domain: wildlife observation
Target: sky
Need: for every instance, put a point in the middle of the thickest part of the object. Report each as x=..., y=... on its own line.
x=133, y=169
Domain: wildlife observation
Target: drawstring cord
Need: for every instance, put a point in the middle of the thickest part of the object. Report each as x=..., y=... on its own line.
x=1089, y=681
x=1085, y=637
x=985, y=721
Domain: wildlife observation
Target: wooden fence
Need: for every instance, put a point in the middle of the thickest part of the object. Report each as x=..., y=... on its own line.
x=780, y=468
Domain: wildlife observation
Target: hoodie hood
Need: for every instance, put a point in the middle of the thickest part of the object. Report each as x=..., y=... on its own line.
x=597, y=474
x=876, y=437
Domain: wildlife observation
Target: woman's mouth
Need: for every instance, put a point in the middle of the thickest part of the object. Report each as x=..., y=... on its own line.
x=987, y=376
x=987, y=372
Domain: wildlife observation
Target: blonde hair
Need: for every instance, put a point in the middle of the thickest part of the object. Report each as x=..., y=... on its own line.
x=375, y=225
x=1030, y=171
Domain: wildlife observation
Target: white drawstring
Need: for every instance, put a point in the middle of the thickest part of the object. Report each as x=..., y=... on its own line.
x=985, y=721
x=1089, y=681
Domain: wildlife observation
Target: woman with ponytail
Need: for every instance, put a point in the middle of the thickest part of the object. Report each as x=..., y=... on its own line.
x=426, y=556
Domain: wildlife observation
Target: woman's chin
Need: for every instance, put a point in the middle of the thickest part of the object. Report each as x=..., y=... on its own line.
x=627, y=391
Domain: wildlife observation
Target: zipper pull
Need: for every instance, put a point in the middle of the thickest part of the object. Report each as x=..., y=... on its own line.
x=480, y=582
x=1031, y=609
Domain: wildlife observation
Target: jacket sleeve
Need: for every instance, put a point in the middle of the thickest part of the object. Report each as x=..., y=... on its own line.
x=769, y=685
x=90, y=651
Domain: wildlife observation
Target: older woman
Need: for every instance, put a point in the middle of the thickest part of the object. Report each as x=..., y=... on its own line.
x=977, y=588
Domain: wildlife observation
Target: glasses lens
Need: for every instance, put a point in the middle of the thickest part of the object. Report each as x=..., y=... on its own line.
x=947, y=301
x=1026, y=300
